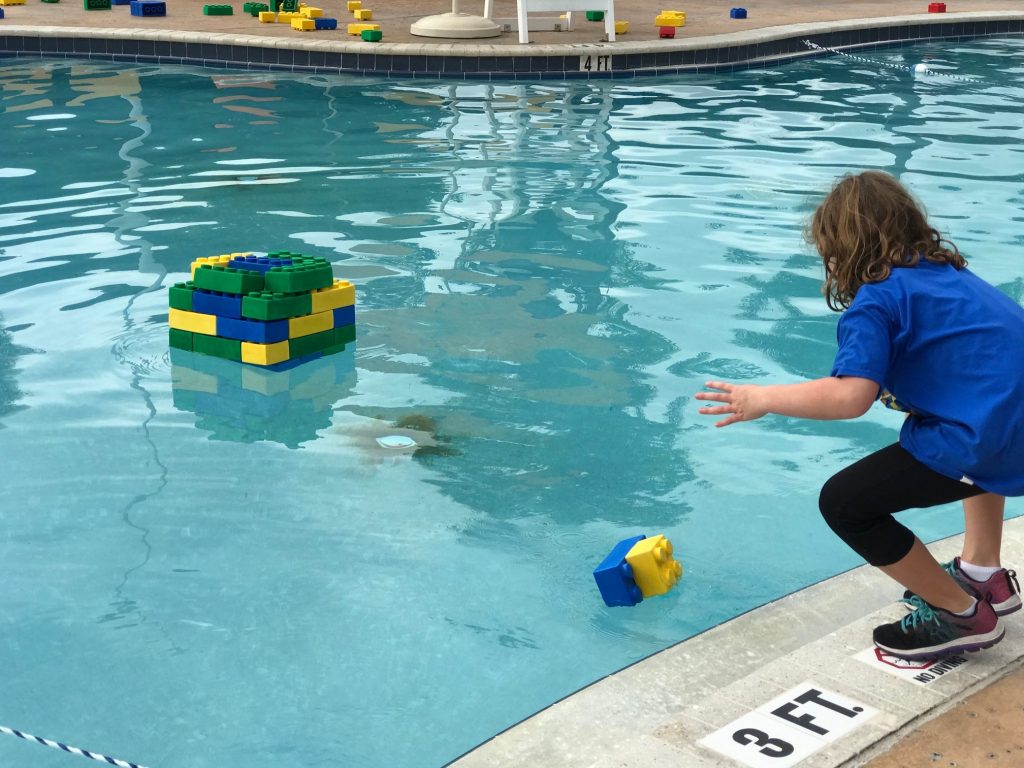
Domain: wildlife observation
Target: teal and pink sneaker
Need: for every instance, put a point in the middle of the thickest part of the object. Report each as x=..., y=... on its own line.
x=928, y=632
x=1002, y=586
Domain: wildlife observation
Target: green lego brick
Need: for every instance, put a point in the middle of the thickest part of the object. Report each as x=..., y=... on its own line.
x=227, y=279
x=595, y=15
x=254, y=9
x=179, y=295
x=96, y=5
x=315, y=342
x=229, y=349
x=218, y=10
x=304, y=274
x=371, y=35
x=180, y=339
x=346, y=334
x=334, y=350
x=289, y=6
x=264, y=305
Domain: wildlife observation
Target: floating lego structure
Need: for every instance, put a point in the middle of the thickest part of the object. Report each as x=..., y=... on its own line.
x=275, y=311
x=636, y=568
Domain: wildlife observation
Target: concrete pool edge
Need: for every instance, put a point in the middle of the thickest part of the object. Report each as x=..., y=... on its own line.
x=657, y=711
x=754, y=48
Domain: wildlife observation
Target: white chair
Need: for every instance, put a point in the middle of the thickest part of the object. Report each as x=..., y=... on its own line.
x=528, y=6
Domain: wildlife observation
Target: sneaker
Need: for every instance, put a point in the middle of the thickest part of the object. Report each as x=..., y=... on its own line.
x=1001, y=585
x=929, y=632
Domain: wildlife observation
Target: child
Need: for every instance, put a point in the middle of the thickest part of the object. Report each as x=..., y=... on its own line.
x=949, y=348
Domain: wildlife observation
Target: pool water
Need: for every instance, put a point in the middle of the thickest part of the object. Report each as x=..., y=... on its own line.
x=211, y=566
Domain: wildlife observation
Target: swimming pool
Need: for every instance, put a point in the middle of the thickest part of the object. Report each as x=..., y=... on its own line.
x=211, y=567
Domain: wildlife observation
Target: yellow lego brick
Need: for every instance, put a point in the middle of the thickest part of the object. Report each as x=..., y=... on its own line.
x=362, y=14
x=621, y=27
x=217, y=261
x=286, y=18
x=268, y=17
x=12, y=2
x=670, y=19
x=303, y=24
x=341, y=294
x=196, y=322
x=654, y=570
x=307, y=324
x=357, y=28
x=308, y=12
x=264, y=354
x=355, y=5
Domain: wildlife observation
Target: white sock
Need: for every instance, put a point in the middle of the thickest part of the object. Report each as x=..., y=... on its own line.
x=969, y=611
x=979, y=572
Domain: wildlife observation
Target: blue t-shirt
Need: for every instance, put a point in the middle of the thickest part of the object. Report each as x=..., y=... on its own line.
x=950, y=348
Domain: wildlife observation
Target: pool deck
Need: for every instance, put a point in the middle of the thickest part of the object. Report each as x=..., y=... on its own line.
x=773, y=31
x=659, y=711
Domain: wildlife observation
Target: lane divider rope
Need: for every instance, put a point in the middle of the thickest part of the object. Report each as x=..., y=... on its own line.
x=902, y=67
x=72, y=750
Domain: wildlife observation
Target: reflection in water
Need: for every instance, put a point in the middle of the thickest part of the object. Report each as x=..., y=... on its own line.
x=245, y=403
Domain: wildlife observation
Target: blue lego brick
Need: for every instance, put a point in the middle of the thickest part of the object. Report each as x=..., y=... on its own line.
x=148, y=7
x=220, y=304
x=259, y=264
x=737, y=13
x=324, y=23
x=256, y=331
x=121, y=2
x=614, y=576
x=1, y=13
x=345, y=316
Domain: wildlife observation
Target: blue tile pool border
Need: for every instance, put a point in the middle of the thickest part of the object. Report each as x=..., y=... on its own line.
x=725, y=53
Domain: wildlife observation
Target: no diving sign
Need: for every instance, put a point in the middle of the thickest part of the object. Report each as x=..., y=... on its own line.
x=917, y=672
x=789, y=728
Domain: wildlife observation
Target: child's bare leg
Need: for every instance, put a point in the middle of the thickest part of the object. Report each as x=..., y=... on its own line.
x=921, y=573
x=983, y=529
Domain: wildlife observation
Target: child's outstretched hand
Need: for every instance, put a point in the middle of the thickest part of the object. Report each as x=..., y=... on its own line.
x=743, y=402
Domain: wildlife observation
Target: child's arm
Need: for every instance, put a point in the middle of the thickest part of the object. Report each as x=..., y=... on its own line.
x=829, y=398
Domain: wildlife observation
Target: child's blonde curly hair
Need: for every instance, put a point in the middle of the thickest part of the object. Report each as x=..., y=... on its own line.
x=868, y=224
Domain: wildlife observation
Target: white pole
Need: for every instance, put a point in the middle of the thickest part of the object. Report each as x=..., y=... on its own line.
x=455, y=6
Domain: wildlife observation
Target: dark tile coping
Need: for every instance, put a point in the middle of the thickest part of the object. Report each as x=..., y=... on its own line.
x=753, y=51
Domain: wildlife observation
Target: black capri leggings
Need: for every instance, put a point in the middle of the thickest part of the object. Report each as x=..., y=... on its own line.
x=858, y=503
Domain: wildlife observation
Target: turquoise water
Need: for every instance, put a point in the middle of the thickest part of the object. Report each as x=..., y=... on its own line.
x=206, y=566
